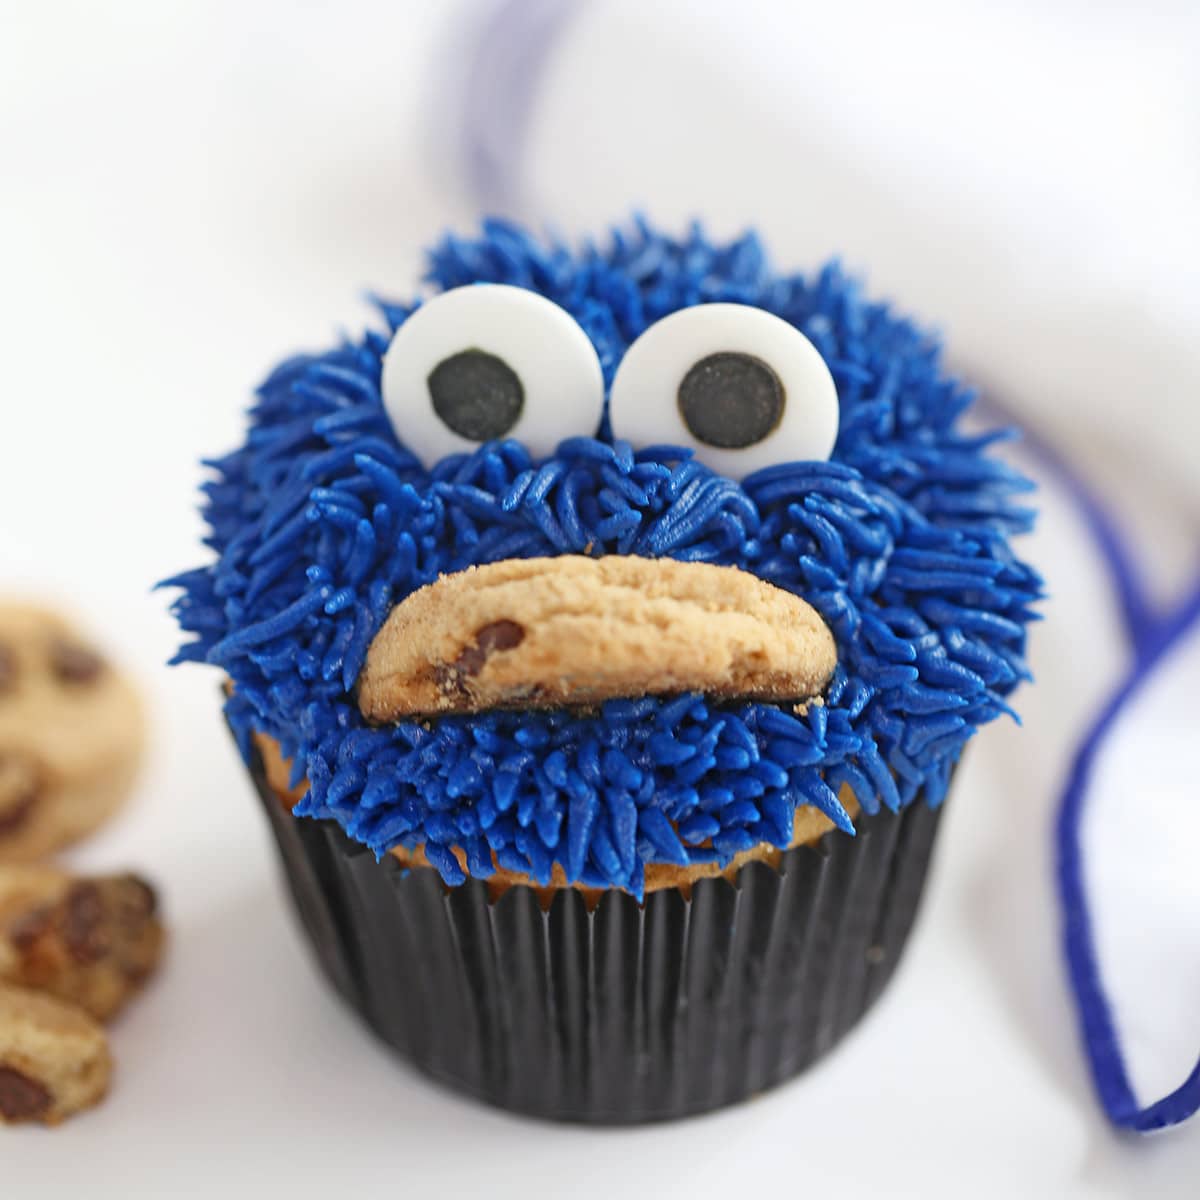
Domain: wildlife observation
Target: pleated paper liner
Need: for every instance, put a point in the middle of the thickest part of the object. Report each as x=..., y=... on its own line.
x=628, y=1013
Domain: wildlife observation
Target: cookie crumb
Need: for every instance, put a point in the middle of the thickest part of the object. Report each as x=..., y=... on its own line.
x=22, y=1098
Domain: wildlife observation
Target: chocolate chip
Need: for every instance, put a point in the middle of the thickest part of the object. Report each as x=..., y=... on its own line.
x=22, y=1098
x=83, y=924
x=499, y=635
x=8, y=669
x=74, y=663
x=449, y=681
x=19, y=791
x=28, y=929
x=15, y=814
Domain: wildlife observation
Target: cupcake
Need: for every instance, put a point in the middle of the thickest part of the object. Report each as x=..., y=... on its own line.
x=601, y=636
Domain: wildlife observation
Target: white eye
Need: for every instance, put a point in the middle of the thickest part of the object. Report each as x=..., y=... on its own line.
x=740, y=386
x=490, y=361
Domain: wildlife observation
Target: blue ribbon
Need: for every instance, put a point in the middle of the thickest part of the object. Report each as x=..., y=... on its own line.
x=1154, y=643
x=508, y=59
x=1153, y=635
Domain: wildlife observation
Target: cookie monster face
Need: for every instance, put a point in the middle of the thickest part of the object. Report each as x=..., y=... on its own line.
x=669, y=609
x=609, y=616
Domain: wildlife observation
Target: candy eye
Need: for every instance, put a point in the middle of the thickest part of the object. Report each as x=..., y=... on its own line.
x=740, y=386
x=490, y=361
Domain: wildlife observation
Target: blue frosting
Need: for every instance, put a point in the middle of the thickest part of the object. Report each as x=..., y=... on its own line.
x=323, y=521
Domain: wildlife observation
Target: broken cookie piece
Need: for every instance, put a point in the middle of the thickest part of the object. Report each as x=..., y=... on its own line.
x=91, y=941
x=54, y=1058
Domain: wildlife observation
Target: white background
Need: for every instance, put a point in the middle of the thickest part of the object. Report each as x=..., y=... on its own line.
x=189, y=191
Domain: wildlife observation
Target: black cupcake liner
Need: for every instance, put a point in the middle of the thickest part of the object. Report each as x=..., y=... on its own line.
x=627, y=1013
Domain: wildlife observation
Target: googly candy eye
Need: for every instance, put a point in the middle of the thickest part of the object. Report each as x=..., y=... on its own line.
x=490, y=361
x=739, y=386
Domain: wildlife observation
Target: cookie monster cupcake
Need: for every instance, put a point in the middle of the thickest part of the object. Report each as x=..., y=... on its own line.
x=602, y=636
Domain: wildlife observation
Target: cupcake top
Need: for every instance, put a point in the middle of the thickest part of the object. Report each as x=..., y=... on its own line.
x=815, y=587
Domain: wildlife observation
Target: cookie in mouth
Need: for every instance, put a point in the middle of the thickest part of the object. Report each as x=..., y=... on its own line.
x=576, y=631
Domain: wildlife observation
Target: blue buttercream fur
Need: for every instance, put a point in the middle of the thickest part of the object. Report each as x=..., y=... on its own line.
x=323, y=520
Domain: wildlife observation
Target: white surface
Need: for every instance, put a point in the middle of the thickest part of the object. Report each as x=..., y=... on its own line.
x=657, y=362
x=192, y=191
x=542, y=343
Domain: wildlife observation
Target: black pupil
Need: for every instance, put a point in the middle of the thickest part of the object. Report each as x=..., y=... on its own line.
x=476, y=394
x=731, y=400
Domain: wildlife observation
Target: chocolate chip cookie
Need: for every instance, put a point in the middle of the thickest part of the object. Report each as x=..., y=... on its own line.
x=54, y=1058
x=544, y=632
x=92, y=941
x=70, y=734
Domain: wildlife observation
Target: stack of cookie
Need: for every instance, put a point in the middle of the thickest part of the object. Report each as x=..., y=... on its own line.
x=73, y=950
